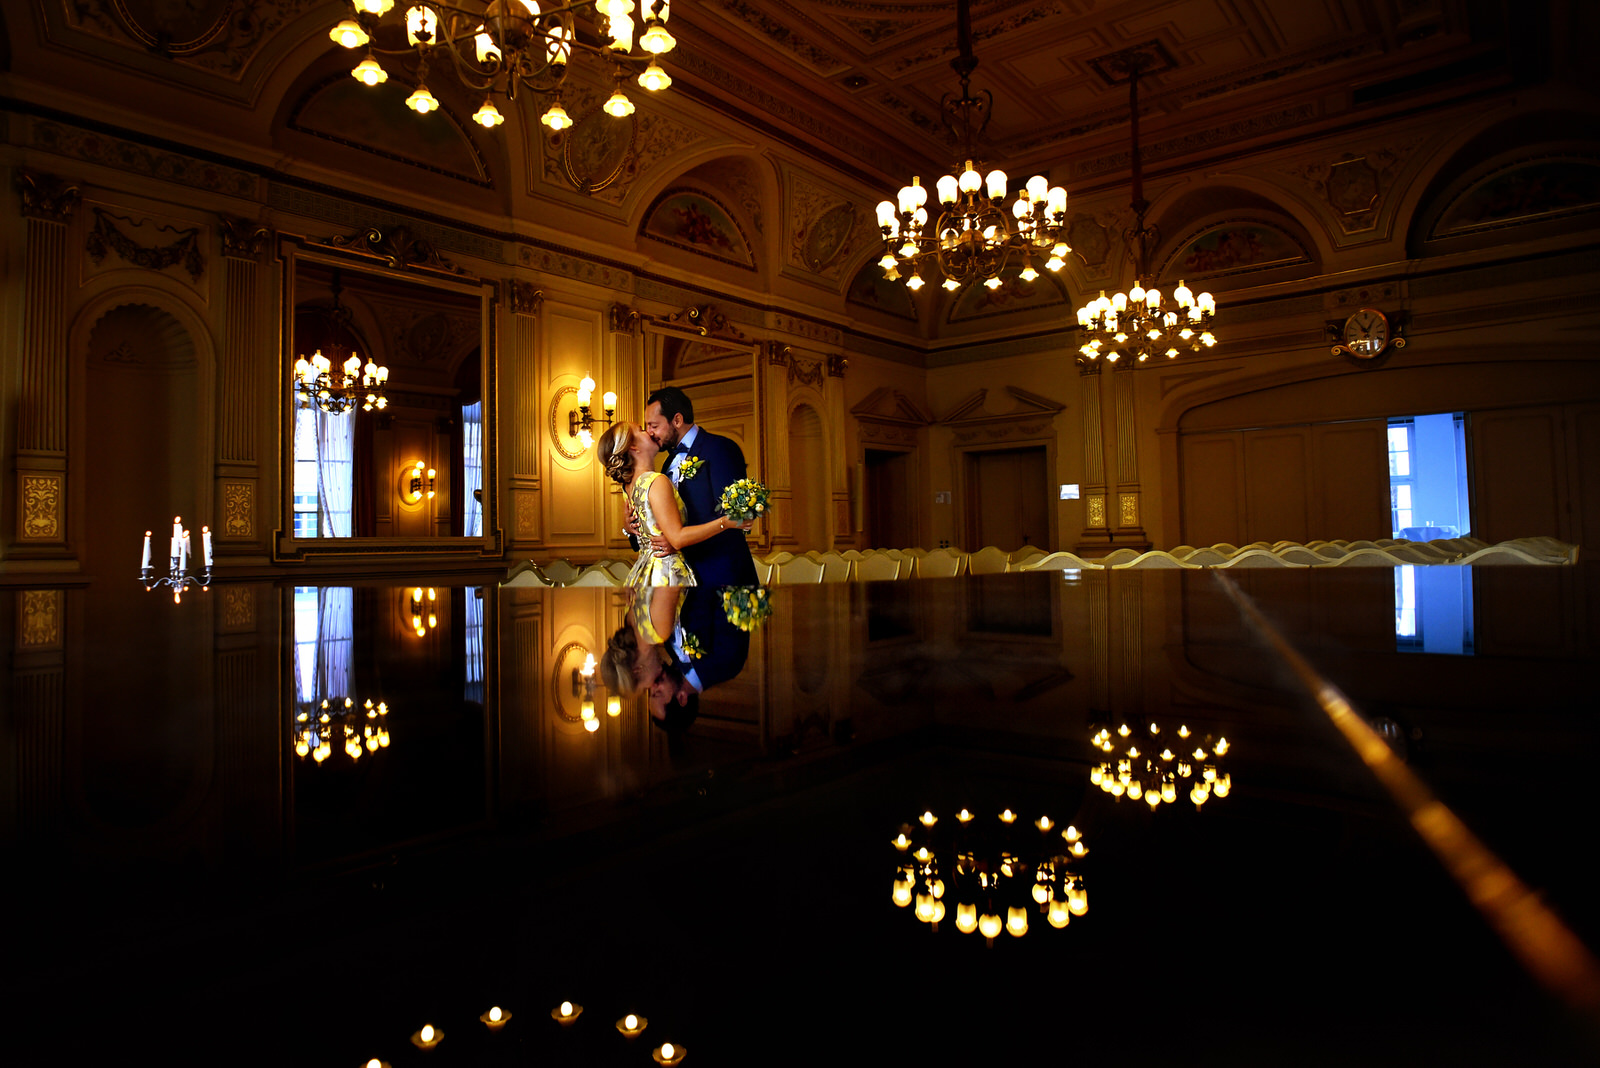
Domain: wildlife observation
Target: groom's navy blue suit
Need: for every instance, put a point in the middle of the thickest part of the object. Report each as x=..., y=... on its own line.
x=723, y=559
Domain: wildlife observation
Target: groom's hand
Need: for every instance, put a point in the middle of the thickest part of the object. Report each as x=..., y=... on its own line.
x=660, y=546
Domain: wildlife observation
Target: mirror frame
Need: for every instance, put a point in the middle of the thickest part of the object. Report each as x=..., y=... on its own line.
x=362, y=256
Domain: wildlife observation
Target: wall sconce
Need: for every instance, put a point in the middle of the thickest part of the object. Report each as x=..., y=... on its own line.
x=580, y=418
x=424, y=610
x=417, y=482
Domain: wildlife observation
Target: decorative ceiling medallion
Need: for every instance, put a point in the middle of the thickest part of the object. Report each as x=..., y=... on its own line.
x=599, y=151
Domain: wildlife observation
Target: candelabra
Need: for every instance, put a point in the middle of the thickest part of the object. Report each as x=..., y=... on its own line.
x=1157, y=771
x=994, y=869
x=361, y=730
x=179, y=576
x=511, y=44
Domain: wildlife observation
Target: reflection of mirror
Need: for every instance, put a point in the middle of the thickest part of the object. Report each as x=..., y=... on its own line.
x=414, y=469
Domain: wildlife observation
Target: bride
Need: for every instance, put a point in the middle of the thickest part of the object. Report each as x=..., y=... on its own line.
x=629, y=455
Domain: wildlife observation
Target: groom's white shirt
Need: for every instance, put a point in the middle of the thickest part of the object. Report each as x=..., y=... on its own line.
x=684, y=445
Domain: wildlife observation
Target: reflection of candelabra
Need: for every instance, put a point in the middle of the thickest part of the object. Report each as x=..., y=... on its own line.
x=179, y=577
x=424, y=606
x=992, y=871
x=1153, y=772
x=360, y=730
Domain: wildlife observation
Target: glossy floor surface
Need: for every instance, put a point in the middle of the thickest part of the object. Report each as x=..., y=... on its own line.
x=185, y=884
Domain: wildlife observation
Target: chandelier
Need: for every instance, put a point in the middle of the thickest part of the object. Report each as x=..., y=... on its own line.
x=974, y=236
x=1141, y=322
x=508, y=45
x=989, y=870
x=359, y=730
x=336, y=388
x=1156, y=772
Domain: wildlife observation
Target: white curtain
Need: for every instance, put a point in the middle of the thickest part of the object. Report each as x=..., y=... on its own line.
x=336, y=438
x=472, y=473
x=474, y=690
x=324, y=634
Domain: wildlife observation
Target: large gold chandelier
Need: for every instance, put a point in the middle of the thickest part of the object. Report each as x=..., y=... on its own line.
x=1142, y=322
x=511, y=44
x=974, y=236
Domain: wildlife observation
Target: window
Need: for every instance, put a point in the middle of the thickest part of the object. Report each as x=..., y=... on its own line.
x=472, y=469
x=1428, y=477
x=305, y=474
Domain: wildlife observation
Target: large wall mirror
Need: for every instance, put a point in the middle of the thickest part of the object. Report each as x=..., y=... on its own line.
x=408, y=466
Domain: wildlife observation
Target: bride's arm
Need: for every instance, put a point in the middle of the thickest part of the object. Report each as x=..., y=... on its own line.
x=665, y=507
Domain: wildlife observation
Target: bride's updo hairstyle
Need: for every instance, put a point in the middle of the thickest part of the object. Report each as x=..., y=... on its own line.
x=614, y=454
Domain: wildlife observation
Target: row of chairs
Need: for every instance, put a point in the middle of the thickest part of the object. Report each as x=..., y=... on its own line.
x=873, y=565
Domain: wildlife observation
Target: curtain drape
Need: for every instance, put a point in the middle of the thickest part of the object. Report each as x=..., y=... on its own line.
x=335, y=479
x=471, y=469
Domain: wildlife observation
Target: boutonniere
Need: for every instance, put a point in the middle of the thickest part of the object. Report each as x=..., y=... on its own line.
x=692, y=647
x=689, y=468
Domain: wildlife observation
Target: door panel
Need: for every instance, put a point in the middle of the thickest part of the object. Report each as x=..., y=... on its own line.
x=1212, y=468
x=1351, y=498
x=1275, y=484
x=1519, y=473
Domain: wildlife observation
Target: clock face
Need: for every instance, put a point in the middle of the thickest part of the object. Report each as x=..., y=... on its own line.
x=1366, y=333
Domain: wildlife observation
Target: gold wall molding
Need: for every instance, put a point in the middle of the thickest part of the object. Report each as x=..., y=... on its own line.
x=39, y=620
x=1097, y=510
x=39, y=507
x=238, y=509
x=182, y=251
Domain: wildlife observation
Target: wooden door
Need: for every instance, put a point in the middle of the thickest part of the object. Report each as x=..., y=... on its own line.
x=1007, y=498
x=888, y=503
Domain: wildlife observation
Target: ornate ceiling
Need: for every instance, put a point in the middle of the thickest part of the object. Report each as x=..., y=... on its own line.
x=860, y=81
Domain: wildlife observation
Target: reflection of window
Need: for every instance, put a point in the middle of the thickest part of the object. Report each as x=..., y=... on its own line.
x=1405, y=608
x=1433, y=610
x=472, y=469
x=324, y=632
x=474, y=689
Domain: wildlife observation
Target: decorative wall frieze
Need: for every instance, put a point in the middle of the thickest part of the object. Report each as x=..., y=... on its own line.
x=1355, y=185
x=805, y=371
x=349, y=215
x=826, y=228
x=127, y=156
x=568, y=265
x=242, y=239
x=45, y=196
x=524, y=298
x=1096, y=510
x=238, y=609
x=182, y=251
x=399, y=247
x=805, y=328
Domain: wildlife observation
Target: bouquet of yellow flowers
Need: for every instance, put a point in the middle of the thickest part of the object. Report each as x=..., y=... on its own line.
x=747, y=606
x=745, y=499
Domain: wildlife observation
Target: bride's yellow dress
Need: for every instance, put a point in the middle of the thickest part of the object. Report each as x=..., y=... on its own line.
x=650, y=569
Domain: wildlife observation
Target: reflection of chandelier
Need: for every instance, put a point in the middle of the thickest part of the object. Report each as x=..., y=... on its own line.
x=974, y=236
x=1153, y=772
x=993, y=870
x=361, y=730
x=1141, y=322
x=337, y=389
x=511, y=44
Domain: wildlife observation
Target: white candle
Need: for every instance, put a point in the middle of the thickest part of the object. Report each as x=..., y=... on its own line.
x=144, y=564
x=183, y=552
x=205, y=541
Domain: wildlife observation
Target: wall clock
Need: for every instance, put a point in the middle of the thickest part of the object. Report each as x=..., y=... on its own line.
x=1367, y=334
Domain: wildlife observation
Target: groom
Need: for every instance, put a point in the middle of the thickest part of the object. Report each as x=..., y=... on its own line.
x=701, y=464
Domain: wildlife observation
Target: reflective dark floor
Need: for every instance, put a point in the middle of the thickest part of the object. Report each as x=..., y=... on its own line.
x=205, y=864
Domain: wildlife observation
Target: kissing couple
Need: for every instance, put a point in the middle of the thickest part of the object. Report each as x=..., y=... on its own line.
x=683, y=539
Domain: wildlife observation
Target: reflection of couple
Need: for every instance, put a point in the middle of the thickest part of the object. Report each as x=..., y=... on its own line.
x=683, y=539
x=675, y=644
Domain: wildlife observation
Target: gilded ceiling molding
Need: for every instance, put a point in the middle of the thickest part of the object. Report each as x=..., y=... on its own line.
x=816, y=58
x=184, y=250
x=524, y=297
x=242, y=239
x=46, y=197
x=398, y=247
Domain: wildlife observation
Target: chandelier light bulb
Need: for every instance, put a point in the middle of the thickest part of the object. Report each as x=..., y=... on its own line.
x=558, y=46
x=620, y=28
x=970, y=180
x=618, y=106
x=992, y=282
x=488, y=116
x=556, y=118
x=422, y=24
x=996, y=183
x=349, y=34
x=1028, y=274
x=368, y=73
x=379, y=8
x=946, y=186
x=951, y=284
x=487, y=51
x=654, y=79
x=914, y=283
x=422, y=101
x=656, y=40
